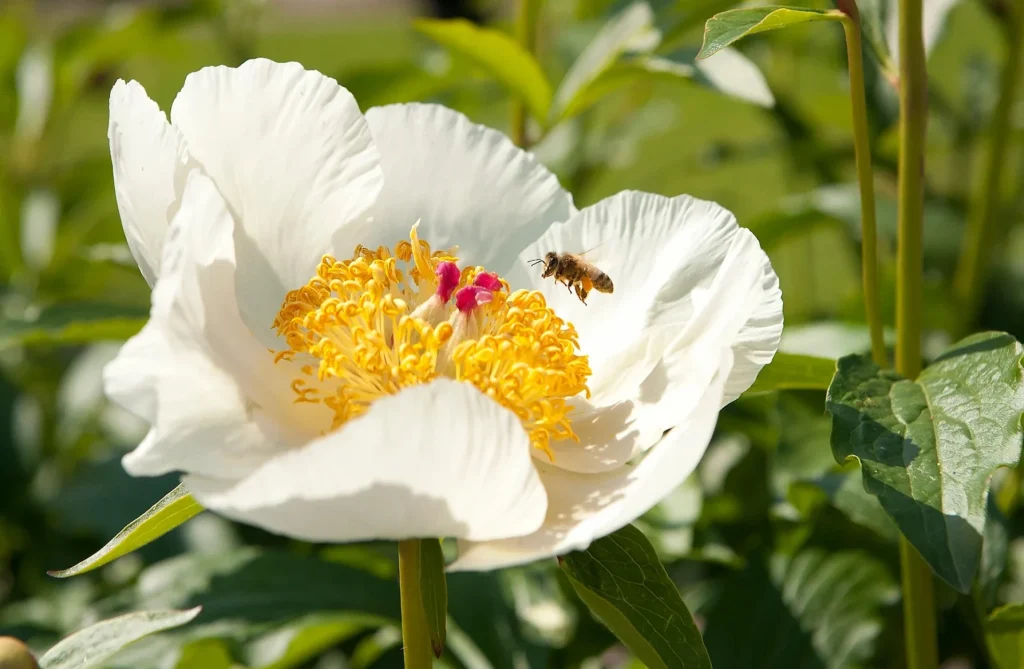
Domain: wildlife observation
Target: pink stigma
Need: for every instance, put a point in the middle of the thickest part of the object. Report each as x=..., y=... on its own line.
x=488, y=280
x=471, y=297
x=448, y=275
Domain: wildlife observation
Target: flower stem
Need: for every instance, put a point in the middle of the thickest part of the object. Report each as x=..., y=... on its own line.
x=526, y=35
x=865, y=176
x=415, y=638
x=918, y=587
x=983, y=226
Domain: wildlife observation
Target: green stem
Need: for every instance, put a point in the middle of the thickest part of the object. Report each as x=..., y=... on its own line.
x=983, y=227
x=415, y=637
x=526, y=35
x=865, y=176
x=918, y=587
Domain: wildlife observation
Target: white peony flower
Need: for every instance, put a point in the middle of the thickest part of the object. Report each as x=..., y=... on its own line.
x=397, y=391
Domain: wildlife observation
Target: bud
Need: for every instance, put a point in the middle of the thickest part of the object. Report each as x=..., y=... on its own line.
x=14, y=654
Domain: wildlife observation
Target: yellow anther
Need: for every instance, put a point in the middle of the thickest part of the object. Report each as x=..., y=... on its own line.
x=355, y=317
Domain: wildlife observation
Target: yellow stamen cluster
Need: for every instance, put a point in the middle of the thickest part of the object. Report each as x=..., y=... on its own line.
x=354, y=322
x=527, y=363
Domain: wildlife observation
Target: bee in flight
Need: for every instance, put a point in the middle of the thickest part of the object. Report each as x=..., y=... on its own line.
x=575, y=272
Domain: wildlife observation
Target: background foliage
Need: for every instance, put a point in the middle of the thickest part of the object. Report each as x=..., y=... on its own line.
x=781, y=555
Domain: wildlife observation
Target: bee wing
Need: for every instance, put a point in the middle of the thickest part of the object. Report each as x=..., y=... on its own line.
x=590, y=250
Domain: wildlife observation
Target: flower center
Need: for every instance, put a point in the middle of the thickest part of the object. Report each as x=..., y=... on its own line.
x=370, y=326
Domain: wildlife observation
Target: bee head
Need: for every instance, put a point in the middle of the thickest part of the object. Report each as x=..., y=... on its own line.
x=550, y=264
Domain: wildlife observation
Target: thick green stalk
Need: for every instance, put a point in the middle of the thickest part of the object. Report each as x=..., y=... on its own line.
x=983, y=225
x=865, y=177
x=415, y=637
x=918, y=586
x=526, y=35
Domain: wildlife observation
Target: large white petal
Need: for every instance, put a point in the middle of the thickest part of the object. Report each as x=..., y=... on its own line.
x=585, y=507
x=469, y=185
x=684, y=273
x=200, y=421
x=150, y=165
x=215, y=400
x=293, y=156
x=171, y=375
x=636, y=420
x=435, y=460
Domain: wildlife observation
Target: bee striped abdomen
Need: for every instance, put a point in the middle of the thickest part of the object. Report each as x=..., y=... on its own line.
x=602, y=283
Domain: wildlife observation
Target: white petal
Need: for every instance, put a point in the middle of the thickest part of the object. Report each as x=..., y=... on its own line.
x=685, y=275
x=469, y=185
x=200, y=420
x=292, y=155
x=215, y=400
x=170, y=374
x=435, y=460
x=150, y=165
x=585, y=507
x=663, y=255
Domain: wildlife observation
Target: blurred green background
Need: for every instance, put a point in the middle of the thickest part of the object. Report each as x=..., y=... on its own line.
x=783, y=558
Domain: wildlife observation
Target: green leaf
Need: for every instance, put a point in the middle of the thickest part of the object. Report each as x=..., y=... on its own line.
x=872, y=26
x=631, y=30
x=845, y=492
x=434, y=590
x=723, y=29
x=788, y=371
x=206, y=653
x=500, y=55
x=92, y=646
x=72, y=324
x=995, y=554
x=626, y=73
x=172, y=510
x=622, y=581
x=298, y=642
x=1004, y=632
x=814, y=609
x=928, y=448
x=738, y=78
x=246, y=593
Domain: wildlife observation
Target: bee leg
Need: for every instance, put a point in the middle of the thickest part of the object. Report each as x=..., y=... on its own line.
x=581, y=293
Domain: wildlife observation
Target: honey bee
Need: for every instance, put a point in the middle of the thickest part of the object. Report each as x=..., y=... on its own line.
x=575, y=272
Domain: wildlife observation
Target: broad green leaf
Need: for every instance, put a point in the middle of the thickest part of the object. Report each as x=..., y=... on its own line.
x=622, y=581
x=297, y=643
x=1004, y=632
x=206, y=653
x=732, y=73
x=370, y=649
x=500, y=55
x=171, y=511
x=626, y=72
x=723, y=29
x=995, y=554
x=928, y=448
x=844, y=491
x=92, y=646
x=246, y=593
x=434, y=590
x=815, y=609
x=630, y=31
x=72, y=324
x=788, y=371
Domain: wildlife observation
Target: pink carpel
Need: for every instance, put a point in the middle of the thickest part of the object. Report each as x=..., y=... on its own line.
x=448, y=276
x=488, y=280
x=471, y=297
